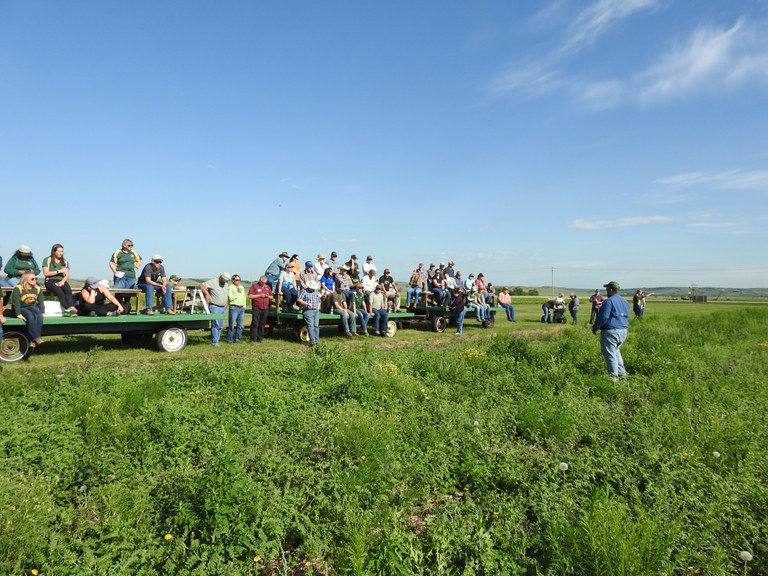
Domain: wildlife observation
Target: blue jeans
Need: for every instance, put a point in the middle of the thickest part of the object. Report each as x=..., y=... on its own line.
x=312, y=318
x=363, y=315
x=272, y=281
x=34, y=321
x=216, y=325
x=545, y=317
x=479, y=311
x=610, y=345
x=9, y=282
x=149, y=294
x=412, y=293
x=510, y=311
x=289, y=294
x=460, y=320
x=380, y=319
x=439, y=296
x=347, y=320
x=124, y=283
x=235, y=323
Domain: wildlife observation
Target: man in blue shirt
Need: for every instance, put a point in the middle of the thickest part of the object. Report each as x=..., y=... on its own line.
x=612, y=321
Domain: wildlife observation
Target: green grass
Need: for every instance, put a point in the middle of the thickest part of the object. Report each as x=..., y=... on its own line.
x=423, y=454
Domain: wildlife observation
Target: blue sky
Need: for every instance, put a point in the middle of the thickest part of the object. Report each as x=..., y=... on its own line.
x=601, y=139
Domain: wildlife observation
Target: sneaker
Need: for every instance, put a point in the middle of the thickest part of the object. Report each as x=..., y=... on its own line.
x=111, y=313
x=149, y=312
x=92, y=314
x=38, y=341
x=169, y=311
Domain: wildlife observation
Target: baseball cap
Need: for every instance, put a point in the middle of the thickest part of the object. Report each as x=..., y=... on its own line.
x=613, y=285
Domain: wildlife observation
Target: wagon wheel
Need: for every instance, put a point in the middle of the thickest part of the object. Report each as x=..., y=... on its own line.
x=391, y=328
x=438, y=324
x=14, y=346
x=302, y=333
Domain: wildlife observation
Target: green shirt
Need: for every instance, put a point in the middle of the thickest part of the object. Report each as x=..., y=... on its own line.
x=55, y=266
x=26, y=298
x=126, y=262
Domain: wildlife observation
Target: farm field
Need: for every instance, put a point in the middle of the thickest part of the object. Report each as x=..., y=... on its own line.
x=502, y=451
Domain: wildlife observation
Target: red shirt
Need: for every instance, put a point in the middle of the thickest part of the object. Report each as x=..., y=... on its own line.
x=260, y=303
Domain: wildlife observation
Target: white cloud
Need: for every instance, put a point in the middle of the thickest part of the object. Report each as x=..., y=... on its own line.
x=619, y=222
x=726, y=180
x=597, y=18
x=535, y=79
x=710, y=57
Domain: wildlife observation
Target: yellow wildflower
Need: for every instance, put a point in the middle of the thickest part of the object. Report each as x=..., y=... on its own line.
x=168, y=536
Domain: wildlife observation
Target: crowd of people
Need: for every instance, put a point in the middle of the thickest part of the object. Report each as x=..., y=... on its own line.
x=355, y=293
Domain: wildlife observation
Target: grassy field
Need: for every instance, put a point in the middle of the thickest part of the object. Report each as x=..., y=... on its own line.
x=503, y=451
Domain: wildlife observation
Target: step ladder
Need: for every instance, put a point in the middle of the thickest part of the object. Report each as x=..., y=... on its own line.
x=197, y=298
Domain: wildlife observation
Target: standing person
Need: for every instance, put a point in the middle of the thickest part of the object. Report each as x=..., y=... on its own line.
x=124, y=265
x=97, y=300
x=260, y=296
x=18, y=265
x=359, y=308
x=638, y=303
x=56, y=274
x=153, y=278
x=273, y=270
x=505, y=301
x=341, y=308
x=27, y=304
x=379, y=311
x=236, y=297
x=546, y=308
x=573, y=308
x=333, y=263
x=459, y=310
x=596, y=300
x=612, y=321
x=216, y=294
x=309, y=301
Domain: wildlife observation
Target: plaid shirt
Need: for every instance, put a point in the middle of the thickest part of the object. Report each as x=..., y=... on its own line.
x=311, y=298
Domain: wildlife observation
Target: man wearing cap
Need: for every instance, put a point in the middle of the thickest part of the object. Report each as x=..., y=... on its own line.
x=368, y=264
x=344, y=281
x=573, y=308
x=449, y=270
x=309, y=302
x=379, y=311
x=153, y=278
x=390, y=289
x=237, y=298
x=320, y=265
x=353, y=269
x=333, y=264
x=308, y=274
x=274, y=269
x=260, y=296
x=612, y=321
x=216, y=293
x=596, y=300
x=360, y=308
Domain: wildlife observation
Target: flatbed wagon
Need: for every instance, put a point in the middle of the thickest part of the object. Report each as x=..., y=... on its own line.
x=295, y=321
x=441, y=316
x=169, y=331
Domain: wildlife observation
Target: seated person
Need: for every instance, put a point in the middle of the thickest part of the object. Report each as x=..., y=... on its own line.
x=327, y=282
x=415, y=287
x=505, y=301
x=97, y=300
x=27, y=304
x=56, y=274
x=390, y=289
x=438, y=288
x=369, y=285
x=379, y=311
x=286, y=289
x=340, y=307
x=20, y=263
x=151, y=279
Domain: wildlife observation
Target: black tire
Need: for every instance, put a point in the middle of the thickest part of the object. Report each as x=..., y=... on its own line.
x=302, y=333
x=268, y=329
x=14, y=346
x=438, y=324
x=492, y=321
x=171, y=339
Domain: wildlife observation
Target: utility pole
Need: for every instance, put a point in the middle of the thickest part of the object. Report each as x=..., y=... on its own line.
x=552, y=268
